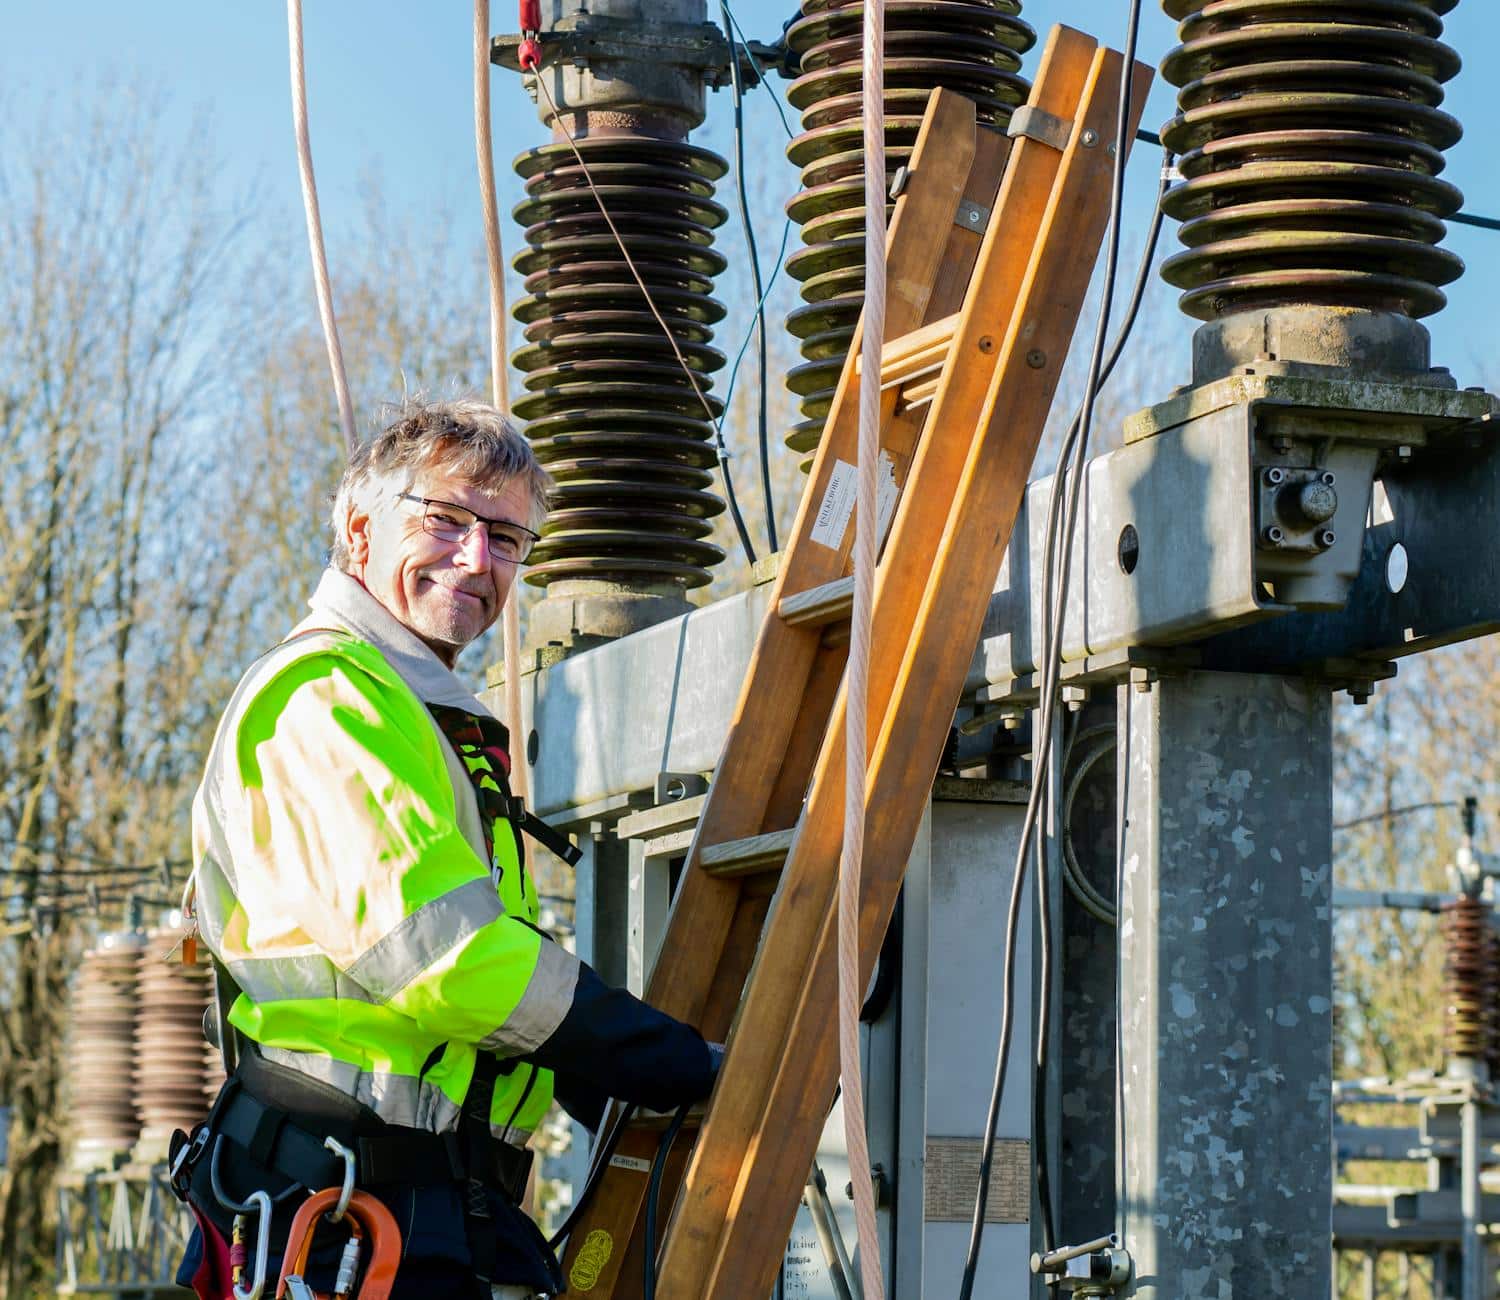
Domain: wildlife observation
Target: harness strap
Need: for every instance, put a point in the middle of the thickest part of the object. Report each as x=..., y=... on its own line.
x=275, y=1140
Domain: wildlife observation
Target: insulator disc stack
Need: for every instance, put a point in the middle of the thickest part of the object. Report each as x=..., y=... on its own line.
x=1492, y=941
x=1310, y=140
x=101, y=1053
x=970, y=46
x=1469, y=980
x=168, y=1044
x=609, y=409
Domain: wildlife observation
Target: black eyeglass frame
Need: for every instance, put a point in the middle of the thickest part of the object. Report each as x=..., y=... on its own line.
x=428, y=502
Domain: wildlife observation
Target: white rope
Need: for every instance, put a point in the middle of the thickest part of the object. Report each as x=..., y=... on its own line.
x=499, y=380
x=315, y=226
x=857, y=677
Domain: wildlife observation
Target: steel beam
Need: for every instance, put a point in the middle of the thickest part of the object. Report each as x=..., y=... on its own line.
x=1226, y=986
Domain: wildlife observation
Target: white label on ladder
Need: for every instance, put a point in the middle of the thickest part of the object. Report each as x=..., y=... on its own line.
x=631, y=1163
x=837, y=506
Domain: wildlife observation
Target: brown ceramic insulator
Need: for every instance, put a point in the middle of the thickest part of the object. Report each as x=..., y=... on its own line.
x=1310, y=141
x=970, y=46
x=101, y=1052
x=1469, y=979
x=169, y=1040
x=609, y=409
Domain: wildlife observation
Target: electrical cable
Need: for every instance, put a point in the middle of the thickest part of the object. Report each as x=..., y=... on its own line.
x=1098, y=743
x=315, y=227
x=1390, y=813
x=692, y=378
x=1042, y=741
x=653, y=1199
x=759, y=320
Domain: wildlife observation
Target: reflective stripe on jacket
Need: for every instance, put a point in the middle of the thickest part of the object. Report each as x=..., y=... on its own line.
x=343, y=881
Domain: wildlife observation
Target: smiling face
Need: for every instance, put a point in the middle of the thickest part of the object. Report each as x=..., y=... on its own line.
x=447, y=593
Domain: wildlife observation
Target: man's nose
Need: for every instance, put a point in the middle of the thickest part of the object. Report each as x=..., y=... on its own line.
x=474, y=550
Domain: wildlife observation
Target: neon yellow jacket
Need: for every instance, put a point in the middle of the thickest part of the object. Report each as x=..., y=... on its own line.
x=343, y=881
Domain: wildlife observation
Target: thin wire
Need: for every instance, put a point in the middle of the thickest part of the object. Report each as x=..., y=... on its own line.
x=653, y=1199
x=857, y=674
x=315, y=227
x=1389, y=813
x=520, y=774
x=760, y=72
x=1043, y=726
x=36, y=846
x=759, y=322
x=734, y=507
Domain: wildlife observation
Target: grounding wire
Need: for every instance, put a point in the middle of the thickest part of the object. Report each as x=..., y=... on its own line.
x=692, y=378
x=760, y=71
x=1043, y=734
x=758, y=321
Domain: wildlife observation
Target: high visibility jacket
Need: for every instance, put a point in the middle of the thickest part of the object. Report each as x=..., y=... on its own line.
x=344, y=881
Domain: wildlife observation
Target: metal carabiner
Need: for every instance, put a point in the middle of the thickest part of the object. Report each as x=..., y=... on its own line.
x=260, y=1203
x=344, y=1153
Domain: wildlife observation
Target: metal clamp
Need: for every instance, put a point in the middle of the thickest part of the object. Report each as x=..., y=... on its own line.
x=1098, y=1267
x=345, y=1154
x=1038, y=124
x=260, y=1203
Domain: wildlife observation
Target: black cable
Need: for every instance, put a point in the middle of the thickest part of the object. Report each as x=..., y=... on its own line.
x=653, y=1197
x=760, y=311
x=607, y=1146
x=1042, y=742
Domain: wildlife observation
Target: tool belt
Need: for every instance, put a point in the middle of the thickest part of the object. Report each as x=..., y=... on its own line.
x=280, y=1119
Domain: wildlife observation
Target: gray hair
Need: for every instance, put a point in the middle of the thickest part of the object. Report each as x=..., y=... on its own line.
x=468, y=438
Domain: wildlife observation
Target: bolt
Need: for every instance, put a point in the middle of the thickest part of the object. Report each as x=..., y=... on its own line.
x=1142, y=679
x=1328, y=477
x=1089, y=138
x=972, y=216
x=986, y=343
x=1360, y=692
x=1075, y=697
x=1314, y=501
x=1110, y=150
x=1403, y=452
x=1275, y=475
x=1272, y=535
x=1327, y=538
x=1036, y=358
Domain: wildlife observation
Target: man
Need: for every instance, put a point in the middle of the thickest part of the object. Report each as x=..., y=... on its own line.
x=361, y=883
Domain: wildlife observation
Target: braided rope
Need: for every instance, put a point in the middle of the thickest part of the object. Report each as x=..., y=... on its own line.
x=315, y=227
x=520, y=776
x=858, y=673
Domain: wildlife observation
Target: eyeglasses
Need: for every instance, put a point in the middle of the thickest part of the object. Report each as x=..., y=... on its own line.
x=509, y=542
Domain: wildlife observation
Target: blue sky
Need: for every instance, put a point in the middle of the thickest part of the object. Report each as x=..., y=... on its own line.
x=390, y=92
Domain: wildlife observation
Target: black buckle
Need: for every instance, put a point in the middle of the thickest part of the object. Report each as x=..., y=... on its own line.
x=182, y=1156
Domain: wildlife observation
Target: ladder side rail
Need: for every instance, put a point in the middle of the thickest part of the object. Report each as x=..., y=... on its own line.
x=718, y=921
x=786, y=957
x=932, y=670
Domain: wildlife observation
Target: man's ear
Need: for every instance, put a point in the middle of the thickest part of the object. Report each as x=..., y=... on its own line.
x=357, y=534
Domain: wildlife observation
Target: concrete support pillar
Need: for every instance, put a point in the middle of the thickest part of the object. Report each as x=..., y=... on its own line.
x=1226, y=987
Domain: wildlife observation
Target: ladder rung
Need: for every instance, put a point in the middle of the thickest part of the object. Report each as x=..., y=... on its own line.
x=819, y=606
x=922, y=351
x=749, y=856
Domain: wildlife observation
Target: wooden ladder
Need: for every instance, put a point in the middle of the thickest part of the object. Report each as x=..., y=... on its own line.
x=986, y=278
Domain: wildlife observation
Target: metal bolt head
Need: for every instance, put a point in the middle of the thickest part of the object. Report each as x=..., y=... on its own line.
x=1327, y=538
x=1327, y=477
x=1272, y=535
x=1316, y=502
x=1089, y=138
x=1403, y=452
x=1275, y=475
x=1036, y=358
x=986, y=343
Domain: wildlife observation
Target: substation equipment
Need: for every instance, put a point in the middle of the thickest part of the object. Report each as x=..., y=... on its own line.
x=1304, y=511
x=1288, y=523
x=138, y=1067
